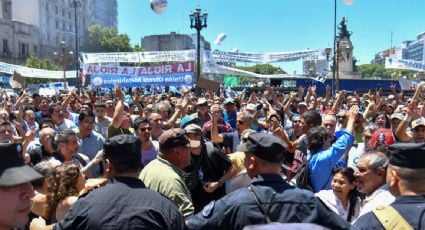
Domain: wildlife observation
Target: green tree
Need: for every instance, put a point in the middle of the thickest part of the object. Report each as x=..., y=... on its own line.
x=137, y=48
x=40, y=63
x=259, y=69
x=380, y=72
x=262, y=69
x=106, y=39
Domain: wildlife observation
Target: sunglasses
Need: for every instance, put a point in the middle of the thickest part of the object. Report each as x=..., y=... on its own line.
x=240, y=122
x=145, y=129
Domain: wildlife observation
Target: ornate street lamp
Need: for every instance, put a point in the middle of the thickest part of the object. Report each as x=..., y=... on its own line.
x=64, y=59
x=198, y=21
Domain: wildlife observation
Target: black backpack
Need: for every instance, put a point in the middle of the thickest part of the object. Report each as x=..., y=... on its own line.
x=302, y=177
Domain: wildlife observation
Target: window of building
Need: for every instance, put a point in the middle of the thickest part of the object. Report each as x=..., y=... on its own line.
x=63, y=12
x=57, y=24
x=47, y=6
x=23, y=50
x=63, y=26
x=7, y=9
x=6, y=50
x=56, y=10
x=69, y=15
x=35, y=49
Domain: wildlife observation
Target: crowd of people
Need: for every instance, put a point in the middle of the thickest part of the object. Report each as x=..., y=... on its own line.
x=175, y=160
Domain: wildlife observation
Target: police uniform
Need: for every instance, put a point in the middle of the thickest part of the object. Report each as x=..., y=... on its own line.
x=124, y=202
x=411, y=208
x=268, y=199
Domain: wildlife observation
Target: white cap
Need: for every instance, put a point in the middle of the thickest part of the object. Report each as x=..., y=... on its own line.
x=251, y=106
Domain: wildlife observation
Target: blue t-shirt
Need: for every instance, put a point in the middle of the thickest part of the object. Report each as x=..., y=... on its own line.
x=322, y=163
x=230, y=118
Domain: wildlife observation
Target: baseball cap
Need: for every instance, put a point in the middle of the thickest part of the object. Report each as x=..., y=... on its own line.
x=265, y=146
x=418, y=122
x=189, y=119
x=202, y=101
x=193, y=128
x=13, y=170
x=382, y=137
x=398, y=116
x=251, y=106
x=302, y=103
x=173, y=138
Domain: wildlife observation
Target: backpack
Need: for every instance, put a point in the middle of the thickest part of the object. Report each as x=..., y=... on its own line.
x=302, y=178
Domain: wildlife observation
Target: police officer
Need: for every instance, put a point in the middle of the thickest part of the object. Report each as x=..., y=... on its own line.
x=269, y=198
x=406, y=181
x=15, y=187
x=124, y=202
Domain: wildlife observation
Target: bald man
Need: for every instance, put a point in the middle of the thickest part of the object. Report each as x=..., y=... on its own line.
x=45, y=150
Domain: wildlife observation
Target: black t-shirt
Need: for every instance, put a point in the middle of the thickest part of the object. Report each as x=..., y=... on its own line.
x=38, y=154
x=209, y=166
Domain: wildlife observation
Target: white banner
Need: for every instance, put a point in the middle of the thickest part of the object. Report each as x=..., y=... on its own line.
x=209, y=56
x=180, y=67
x=392, y=63
x=225, y=57
x=35, y=73
x=140, y=57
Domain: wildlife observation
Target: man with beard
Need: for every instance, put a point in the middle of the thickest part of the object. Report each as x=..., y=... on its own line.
x=149, y=148
x=370, y=180
x=405, y=179
x=66, y=143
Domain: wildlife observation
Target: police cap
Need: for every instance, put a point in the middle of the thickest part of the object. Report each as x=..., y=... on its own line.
x=122, y=145
x=408, y=155
x=265, y=146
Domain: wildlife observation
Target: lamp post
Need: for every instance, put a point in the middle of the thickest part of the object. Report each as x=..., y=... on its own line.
x=76, y=3
x=334, y=52
x=64, y=59
x=198, y=21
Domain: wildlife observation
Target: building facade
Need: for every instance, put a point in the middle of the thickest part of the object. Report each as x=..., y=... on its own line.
x=172, y=41
x=47, y=22
x=381, y=56
x=414, y=50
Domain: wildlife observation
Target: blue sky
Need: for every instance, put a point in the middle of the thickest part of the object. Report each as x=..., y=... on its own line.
x=281, y=25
